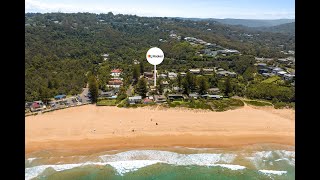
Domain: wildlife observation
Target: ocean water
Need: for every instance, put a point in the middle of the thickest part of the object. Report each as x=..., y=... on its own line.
x=165, y=164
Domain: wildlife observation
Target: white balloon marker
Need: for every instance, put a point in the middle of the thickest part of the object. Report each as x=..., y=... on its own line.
x=155, y=56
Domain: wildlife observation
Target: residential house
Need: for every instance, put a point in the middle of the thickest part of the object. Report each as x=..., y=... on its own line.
x=219, y=69
x=107, y=94
x=115, y=83
x=194, y=95
x=177, y=89
x=283, y=61
x=207, y=70
x=172, y=75
x=153, y=88
x=289, y=77
x=105, y=56
x=194, y=71
x=228, y=51
x=226, y=73
x=281, y=73
x=261, y=71
x=136, y=62
x=162, y=75
x=165, y=83
x=267, y=74
x=276, y=70
x=135, y=99
x=160, y=98
x=116, y=72
x=148, y=74
x=263, y=59
x=176, y=97
x=182, y=74
x=262, y=66
x=214, y=91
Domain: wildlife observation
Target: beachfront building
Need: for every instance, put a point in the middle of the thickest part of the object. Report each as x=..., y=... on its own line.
x=147, y=101
x=60, y=96
x=160, y=98
x=37, y=106
x=214, y=91
x=107, y=94
x=209, y=96
x=194, y=95
x=176, y=97
x=135, y=99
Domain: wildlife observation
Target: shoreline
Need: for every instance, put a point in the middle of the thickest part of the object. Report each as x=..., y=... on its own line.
x=90, y=129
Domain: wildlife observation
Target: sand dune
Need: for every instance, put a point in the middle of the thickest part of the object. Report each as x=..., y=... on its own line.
x=94, y=128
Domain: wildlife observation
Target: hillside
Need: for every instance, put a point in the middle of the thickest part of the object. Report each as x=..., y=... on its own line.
x=288, y=28
x=60, y=49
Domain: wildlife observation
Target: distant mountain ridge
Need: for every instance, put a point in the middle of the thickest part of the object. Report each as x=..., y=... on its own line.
x=246, y=22
x=288, y=28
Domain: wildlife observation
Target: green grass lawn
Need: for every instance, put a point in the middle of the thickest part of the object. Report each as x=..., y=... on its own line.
x=225, y=104
x=257, y=103
x=271, y=79
x=107, y=102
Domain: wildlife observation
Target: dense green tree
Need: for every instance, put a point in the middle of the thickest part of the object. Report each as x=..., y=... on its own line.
x=179, y=79
x=189, y=83
x=93, y=89
x=228, y=88
x=160, y=85
x=135, y=73
x=203, y=85
x=141, y=68
x=141, y=87
x=122, y=94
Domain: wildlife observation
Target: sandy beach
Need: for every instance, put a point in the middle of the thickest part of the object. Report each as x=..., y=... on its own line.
x=93, y=128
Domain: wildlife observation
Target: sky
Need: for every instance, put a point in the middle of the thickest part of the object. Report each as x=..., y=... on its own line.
x=239, y=9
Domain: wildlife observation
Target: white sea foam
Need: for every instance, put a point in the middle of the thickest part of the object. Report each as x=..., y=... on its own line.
x=123, y=167
x=129, y=161
x=170, y=157
x=230, y=166
x=264, y=156
x=273, y=172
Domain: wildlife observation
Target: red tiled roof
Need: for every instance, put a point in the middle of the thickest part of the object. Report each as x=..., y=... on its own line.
x=116, y=71
x=115, y=82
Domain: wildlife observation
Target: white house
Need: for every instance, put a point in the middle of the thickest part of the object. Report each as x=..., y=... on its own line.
x=116, y=72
